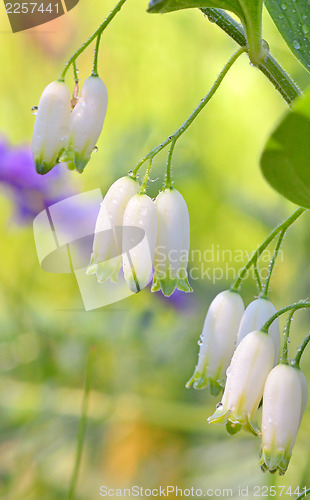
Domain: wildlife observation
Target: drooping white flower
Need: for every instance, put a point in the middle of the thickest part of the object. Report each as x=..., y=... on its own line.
x=218, y=339
x=86, y=122
x=172, y=245
x=283, y=405
x=51, y=128
x=106, y=258
x=250, y=365
x=140, y=212
x=255, y=316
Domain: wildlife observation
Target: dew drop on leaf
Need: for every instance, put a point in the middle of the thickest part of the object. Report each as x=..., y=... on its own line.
x=296, y=44
x=305, y=28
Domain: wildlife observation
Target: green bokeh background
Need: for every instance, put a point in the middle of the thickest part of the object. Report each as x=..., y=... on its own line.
x=144, y=427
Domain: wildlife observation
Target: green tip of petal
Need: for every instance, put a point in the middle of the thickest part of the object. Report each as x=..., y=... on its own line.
x=184, y=286
x=274, y=460
x=169, y=285
x=233, y=428
x=80, y=162
x=219, y=416
x=215, y=387
x=42, y=167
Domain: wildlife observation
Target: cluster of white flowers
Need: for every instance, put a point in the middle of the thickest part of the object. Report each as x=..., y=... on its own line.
x=235, y=353
x=63, y=134
x=148, y=238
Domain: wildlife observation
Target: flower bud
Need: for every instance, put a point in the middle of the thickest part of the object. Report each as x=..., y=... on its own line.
x=255, y=316
x=106, y=258
x=140, y=212
x=51, y=128
x=86, y=122
x=282, y=407
x=217, y=342
x=172, y=245
x=250, y=365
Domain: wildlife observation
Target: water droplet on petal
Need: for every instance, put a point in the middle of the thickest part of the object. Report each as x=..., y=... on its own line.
x=296, y=44
x=219, y=405
x=34, y=110
x=95, y=150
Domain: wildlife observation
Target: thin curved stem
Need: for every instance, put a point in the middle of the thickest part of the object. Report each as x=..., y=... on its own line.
x=145, y=179
x=168, y=181
x=294, y=307
x=83, y=422
x=174, y=137
x=95, y=64
x=75, y=72
x=99, y=31
x=300, y=352
x=257, y=277
x=272, y=262
x=287, y=332
x=279, y=78
x=304, y=494
x=283, y=226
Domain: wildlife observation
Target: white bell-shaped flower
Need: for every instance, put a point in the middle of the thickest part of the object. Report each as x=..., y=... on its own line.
x=86, y=122
x=140, y=213
x=172, y=245
x=106, y=258
x=217, y=341
x=255, y=316
x=51, y=128
x=250, y=365
x=282, y=407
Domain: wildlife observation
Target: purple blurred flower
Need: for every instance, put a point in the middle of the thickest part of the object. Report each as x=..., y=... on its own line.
x=31, y=192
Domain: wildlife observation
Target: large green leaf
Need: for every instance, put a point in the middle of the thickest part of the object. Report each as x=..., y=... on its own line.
x=292, y=18
x=285, y=161
x=163, y=6
x=249, y=12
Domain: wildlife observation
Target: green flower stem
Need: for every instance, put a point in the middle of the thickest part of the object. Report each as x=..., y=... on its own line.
x=75, y=72
x=272, y=263
x=97, y=33
x=282, y=227
x=146, y=178
x=83, y=422
x=95, y=64
x=257, y=277
x=168, y=181
x=292, y=307
x=279, y=78
x=304, y=494
x=300, y=352
x=174, y=137
x=286, y=337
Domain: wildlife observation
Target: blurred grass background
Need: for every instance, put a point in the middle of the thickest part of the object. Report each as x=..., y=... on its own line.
x=144, y=427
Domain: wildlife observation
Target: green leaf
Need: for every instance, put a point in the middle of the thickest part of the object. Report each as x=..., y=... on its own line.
x=285, y=161
x=249, y=12
x=292, y=18
x=163, y=6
